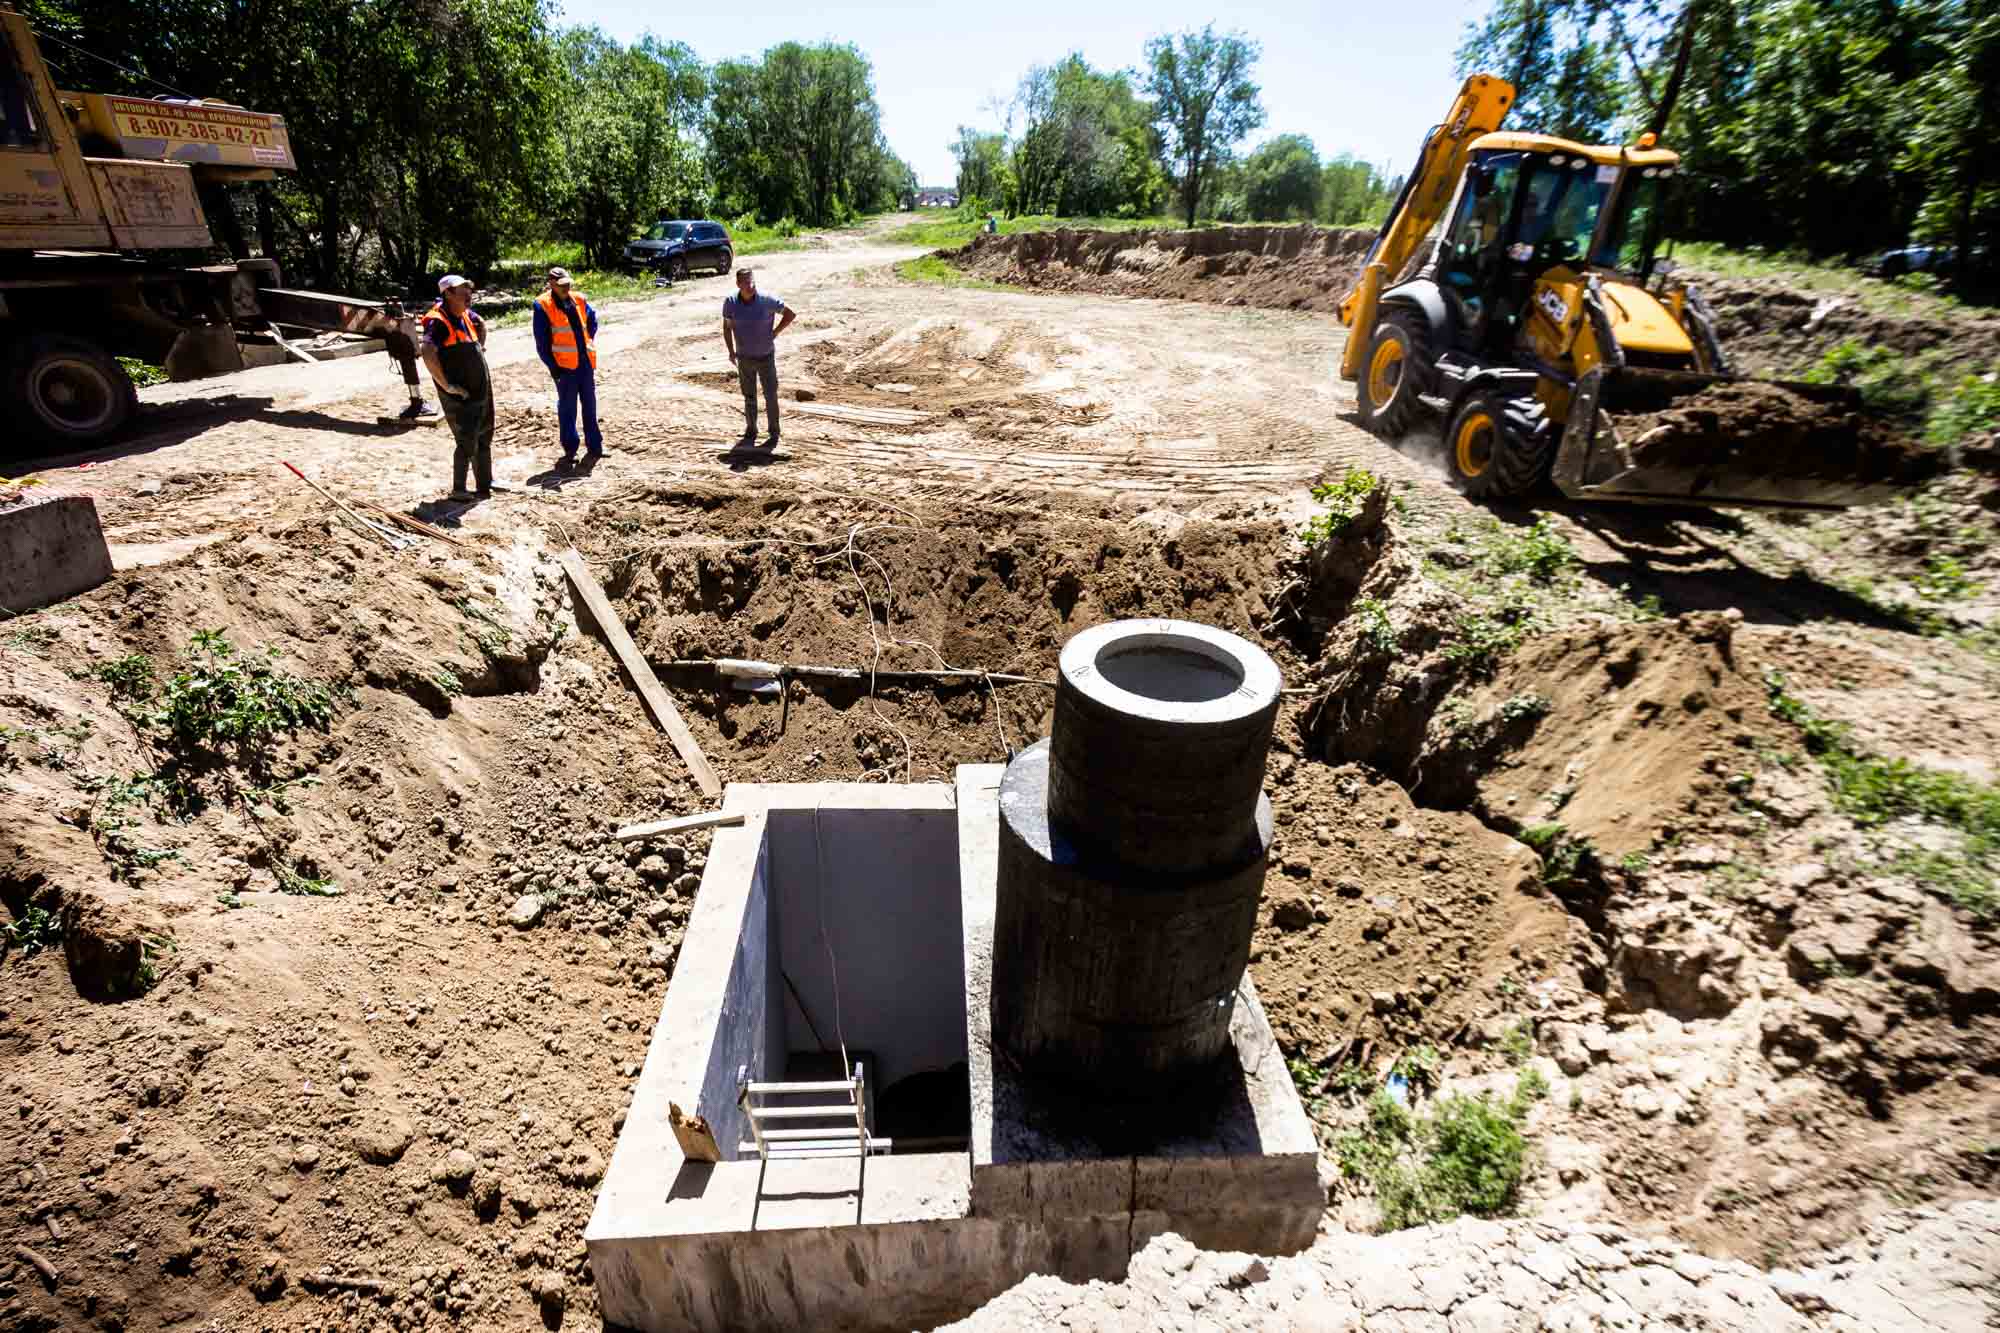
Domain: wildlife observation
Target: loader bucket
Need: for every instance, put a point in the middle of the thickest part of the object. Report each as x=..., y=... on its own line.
x=1677, y=437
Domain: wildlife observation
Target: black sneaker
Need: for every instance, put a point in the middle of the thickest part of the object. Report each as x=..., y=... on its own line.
x=748, y=440
x=771, y=443
x=566, y=462
x=419, y=411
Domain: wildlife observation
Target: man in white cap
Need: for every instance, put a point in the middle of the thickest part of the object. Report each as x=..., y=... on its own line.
x=566, y=338
x=454, y=348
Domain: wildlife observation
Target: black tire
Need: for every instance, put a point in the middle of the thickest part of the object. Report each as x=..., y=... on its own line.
x=1494, y=448
x=723, y=261
x=677, y=268
x=1399, y=368
x=72, y=393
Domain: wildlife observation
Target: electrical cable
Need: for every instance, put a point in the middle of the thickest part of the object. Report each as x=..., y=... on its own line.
x=122, y=69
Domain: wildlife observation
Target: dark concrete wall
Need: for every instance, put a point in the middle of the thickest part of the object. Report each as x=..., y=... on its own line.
x=885, y=883
x=750, y=1029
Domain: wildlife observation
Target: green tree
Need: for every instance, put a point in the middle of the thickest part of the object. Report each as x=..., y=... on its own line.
x=1354, y=193
x=797, y=133
x=1083, y=145
x=626, y=136
x=983, y=174
x=1954, y=140
x=1566, y=79
x=1203, y=100
x=1282, y=179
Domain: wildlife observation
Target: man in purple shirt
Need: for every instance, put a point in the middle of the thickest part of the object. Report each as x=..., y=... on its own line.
x=751, y=323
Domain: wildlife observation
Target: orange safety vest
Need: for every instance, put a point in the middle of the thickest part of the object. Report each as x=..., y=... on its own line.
x=562, y=337
x=456, y=332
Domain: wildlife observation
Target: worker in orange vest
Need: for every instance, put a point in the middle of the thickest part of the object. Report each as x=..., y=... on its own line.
x=566, y=338
x=454, y=350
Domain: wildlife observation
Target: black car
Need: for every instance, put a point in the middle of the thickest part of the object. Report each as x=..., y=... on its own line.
x=679, y=246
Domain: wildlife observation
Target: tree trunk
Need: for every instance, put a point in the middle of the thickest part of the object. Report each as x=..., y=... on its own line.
x=1684, y=52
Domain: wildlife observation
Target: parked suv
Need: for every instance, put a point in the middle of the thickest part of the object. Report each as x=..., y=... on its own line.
x=679, y=246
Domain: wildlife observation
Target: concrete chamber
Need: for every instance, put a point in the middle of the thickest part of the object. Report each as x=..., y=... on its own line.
x=1131, y=858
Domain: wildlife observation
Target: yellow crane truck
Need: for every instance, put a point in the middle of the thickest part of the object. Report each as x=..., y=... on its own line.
x=1516, y=289
x=105, y=251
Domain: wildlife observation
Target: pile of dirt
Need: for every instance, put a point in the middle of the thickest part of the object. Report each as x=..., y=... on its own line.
x=1387, y=925
x=1767, y=427
x=1281, y=268
x=1771, y=327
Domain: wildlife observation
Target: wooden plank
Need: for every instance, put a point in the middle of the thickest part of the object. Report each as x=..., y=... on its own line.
x=684, y=824
x=657, y=702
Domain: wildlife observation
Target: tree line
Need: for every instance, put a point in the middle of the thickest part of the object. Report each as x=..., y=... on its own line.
x=1085, y=142
x=1836, y=127
x=443, y=131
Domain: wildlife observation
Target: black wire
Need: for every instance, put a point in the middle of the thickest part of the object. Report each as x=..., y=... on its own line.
x=131, y=73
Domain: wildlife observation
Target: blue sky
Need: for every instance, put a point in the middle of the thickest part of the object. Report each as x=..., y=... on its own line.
x=1366, y=79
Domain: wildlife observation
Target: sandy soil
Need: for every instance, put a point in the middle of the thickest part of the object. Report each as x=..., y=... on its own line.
x=390, y=1107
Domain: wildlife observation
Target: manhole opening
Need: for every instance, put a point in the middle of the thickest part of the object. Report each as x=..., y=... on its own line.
x=1169, y=671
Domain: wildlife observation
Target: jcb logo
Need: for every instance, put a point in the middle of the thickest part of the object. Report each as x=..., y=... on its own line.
x=1554, y=306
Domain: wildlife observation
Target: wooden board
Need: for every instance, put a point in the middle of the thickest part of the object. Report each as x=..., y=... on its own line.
x=656, y=699
x=684, y=824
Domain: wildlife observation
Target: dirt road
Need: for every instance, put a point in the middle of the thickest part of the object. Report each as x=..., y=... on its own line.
x=918, y=392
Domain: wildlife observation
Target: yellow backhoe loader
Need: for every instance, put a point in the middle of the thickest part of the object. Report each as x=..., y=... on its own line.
x=105, y=251
x=1515, y=288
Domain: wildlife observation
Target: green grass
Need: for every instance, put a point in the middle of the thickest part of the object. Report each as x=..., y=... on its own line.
x=1823, y=277
x=1464, y=1155
x=143, y=373
x=942, y=273
x=1873, y=791
x=951, y=231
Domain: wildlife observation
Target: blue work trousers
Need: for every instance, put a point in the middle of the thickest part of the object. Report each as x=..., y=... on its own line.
x=575, y=387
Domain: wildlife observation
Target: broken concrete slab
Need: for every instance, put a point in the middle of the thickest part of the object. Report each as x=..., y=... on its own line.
x=50, y=552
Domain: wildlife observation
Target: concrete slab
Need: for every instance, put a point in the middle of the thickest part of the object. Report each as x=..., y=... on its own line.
x=50, y=551
x=905, y=1241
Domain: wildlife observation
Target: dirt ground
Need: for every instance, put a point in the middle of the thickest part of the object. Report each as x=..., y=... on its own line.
x=243, y=1103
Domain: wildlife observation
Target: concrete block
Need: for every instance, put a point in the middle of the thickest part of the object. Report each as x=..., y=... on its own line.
x=51, y=551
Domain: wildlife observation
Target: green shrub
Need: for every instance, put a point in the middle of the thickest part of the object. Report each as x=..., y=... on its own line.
x=34, y=930
x=1972, y=408
x=1541, y=552
x=130, y=678
x=221, y=699
x=1466, y=1155
x=1376, y=627
x=1889, y=380
x=1344, y=501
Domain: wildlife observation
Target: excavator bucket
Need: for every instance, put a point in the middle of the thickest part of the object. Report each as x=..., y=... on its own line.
x=1676, y=437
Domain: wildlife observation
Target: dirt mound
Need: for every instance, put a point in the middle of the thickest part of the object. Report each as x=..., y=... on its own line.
x=1386, y=924
x=1770, y=327
x=1775, y=429
x=1619, y=732
x=1283, y=268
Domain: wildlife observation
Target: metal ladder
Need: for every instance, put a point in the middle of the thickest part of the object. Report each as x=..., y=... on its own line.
x=850, y=1138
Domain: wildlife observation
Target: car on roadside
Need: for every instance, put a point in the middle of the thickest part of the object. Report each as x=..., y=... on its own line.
x=1913, y=259
x=680, y=245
